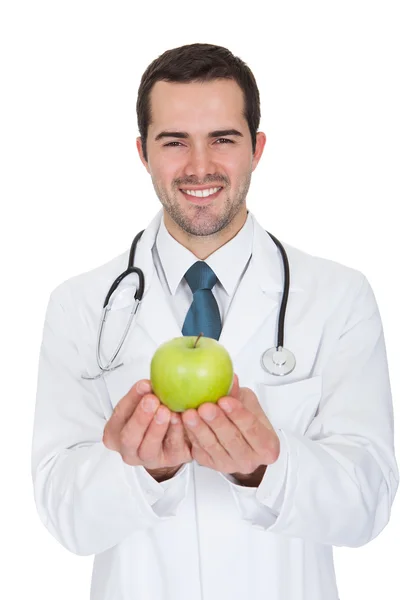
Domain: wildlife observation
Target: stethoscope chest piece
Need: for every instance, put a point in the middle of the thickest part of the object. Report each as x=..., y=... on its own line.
x=278, y=361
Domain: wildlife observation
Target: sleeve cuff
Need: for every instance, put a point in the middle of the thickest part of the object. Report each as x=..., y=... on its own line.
x=271, y=490
x=163, y=497
x=261, y=506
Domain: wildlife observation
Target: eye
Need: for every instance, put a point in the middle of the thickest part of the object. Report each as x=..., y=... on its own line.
x=219, y=139
x=170, y=143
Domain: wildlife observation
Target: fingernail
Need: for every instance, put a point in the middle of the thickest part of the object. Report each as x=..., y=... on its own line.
x=149, y=404
x=143, y=387
x=174, y=419
x=161, y=415
x=225, y=405
x=192, y=420
x=210, y=413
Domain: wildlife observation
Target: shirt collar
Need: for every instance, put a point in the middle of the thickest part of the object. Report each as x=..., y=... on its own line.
x=228, y=262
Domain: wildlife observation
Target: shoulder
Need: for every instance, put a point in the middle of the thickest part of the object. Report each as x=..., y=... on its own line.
x=311, y=273
x=322, y=271
x=336, y=285
x=86, y=287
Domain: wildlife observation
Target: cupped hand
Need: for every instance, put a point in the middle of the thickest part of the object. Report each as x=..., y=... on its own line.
x=145, y=432
x=234, y=435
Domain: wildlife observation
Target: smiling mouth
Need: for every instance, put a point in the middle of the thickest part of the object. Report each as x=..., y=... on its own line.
x=202, y=195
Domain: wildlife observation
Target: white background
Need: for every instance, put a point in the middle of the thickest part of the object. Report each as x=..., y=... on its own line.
x=74, y=193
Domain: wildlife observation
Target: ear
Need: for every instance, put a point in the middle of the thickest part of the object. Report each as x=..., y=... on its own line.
x=140, y=150
x=261, y=139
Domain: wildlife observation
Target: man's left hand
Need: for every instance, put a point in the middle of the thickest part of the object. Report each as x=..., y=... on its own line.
x=239, y=441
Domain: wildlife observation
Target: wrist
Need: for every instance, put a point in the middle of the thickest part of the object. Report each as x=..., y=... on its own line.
x=163, y=474
x=251, y=479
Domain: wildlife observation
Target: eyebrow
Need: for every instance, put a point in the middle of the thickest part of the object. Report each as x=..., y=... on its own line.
x=185, y=135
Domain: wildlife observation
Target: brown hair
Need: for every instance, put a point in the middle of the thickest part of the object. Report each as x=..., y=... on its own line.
x=198, y=63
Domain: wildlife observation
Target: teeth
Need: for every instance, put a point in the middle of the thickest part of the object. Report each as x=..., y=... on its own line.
x=202, y=193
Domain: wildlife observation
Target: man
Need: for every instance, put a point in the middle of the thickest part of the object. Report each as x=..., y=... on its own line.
x=245, y=498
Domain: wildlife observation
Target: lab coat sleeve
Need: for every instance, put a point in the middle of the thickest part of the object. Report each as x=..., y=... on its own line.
x=87, y=497
x=336, y=484
x=271, y=489
x=164, y=497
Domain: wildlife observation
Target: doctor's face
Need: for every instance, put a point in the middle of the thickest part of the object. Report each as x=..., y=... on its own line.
x=199, y=138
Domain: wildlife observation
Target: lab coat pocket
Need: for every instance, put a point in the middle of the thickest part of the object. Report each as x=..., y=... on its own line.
x=291, y=406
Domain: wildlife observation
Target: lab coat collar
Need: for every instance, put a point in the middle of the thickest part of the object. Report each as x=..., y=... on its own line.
x=265, y=256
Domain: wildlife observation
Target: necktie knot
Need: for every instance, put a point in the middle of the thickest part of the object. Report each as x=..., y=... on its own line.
x=200, y=277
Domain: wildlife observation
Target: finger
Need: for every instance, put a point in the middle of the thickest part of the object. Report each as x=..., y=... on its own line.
x=176, y=432
x=261, y=439
x=227, y=433
x=198, y=453
x=132, y=434
x=177, y=446
x=250, y=401
x=123, y=411
x=206, y=438
x=151, y=451
x=126, y=406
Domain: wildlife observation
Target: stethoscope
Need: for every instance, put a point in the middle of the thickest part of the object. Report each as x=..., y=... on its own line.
x=276, y=360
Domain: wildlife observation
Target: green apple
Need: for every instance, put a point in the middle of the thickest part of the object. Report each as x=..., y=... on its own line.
x=189, y=370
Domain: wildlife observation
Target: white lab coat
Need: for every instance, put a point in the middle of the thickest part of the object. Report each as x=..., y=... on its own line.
x=200, y=536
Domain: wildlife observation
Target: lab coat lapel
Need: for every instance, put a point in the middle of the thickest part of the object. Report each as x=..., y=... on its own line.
x=154, y=316
x=258, y=295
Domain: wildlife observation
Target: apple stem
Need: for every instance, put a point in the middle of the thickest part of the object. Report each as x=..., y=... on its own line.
x=198, y=339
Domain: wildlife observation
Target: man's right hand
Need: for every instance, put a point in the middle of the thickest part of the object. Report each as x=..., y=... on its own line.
x=146, y=433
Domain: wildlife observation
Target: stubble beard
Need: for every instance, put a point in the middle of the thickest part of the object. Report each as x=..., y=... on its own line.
x=201, y=221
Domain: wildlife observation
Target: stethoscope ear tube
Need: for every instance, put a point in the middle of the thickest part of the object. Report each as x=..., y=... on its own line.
x=137, y=299
x=139, y=291
x=282, y=313
x=102, y=323
x=279, y=360
x=131, y=269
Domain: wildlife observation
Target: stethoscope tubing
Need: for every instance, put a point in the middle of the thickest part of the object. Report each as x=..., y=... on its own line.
x=282, y=312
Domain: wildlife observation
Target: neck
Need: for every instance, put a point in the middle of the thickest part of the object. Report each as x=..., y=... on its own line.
x=203, y=246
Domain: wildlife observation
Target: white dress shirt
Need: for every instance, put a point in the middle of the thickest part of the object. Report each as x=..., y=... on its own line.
x=229, y=263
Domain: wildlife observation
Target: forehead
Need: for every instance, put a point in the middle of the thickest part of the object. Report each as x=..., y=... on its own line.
x=197, y=104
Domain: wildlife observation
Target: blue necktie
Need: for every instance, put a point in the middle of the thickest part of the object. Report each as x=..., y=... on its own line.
x=203, y=314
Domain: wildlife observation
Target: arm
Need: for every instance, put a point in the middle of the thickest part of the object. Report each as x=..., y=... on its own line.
x=336, y=483
x=87, y=497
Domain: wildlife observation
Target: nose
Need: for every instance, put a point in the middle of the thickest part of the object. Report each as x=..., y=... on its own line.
x=199, y=164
